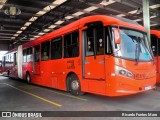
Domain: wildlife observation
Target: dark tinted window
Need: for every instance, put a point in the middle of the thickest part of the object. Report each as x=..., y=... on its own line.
x=71, y=45
x=25, y=55
x=45, y=48
x=37, y=53
x=29, y=54
x=56, y=48
x=15, y=58
x=154, y=44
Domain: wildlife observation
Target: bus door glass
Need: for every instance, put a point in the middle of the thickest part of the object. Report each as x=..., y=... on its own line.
x=36, y=61
x=154, y=46
x=93, y=50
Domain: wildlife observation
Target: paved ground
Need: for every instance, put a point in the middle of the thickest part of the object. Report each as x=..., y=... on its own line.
x=17, y=95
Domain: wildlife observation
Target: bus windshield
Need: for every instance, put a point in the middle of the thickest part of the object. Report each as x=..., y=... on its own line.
x=133, y=46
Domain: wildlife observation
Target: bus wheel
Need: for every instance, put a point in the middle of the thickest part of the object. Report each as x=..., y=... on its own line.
x=28, y=78
x=74, y=85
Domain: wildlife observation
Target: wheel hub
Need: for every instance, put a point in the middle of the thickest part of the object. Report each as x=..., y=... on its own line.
x=75, y=85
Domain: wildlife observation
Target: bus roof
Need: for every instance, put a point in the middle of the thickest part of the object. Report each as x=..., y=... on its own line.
x=155, y=32
x=107, y=20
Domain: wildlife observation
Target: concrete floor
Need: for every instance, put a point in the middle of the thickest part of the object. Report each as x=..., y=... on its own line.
x=17, y=95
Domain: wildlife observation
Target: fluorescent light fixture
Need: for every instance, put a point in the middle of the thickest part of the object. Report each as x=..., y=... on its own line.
x=153, y=16
x=137, y=20
x=2, y=1
x=23, y=28
x=58, y=2
x=32, y=19
x=133, y=12
x=36, y=36
x=104, y=2
x=154, y=24
x=78, y=13
x=41, y=13
x=41, y=33
x=121, y=15
x=89, y=9
x=27, y=23
x=15, y=35
x=155, y=6
x=52, y=26
x=32, y=38
x=59, y=22
x=46, y=30
x=49, y=7
x=68, y=17
x=19, y=32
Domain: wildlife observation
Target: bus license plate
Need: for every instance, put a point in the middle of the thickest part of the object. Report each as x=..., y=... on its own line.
x=147, y=87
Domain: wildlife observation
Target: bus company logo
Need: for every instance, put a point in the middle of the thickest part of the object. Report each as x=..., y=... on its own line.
x=6, y=114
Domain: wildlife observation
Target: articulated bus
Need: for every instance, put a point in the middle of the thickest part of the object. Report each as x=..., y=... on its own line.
x=155, y=44
x=97, y=54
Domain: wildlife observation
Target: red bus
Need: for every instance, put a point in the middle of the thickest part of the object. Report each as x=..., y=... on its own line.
x=155, y=44
x=97, y=54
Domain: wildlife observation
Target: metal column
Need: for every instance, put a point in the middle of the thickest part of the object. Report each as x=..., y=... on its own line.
x=146, y=17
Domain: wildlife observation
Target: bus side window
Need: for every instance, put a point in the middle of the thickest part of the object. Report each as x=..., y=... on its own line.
x=45, y=50
x=29, y=54
x=71, y=45
x=37, y=53
x=15, y=58
x=154, y=44
x=24, y=55
x=56, y=48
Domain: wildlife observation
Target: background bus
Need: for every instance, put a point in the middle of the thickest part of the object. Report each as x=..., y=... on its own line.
x=96, y=54
x=155, y=44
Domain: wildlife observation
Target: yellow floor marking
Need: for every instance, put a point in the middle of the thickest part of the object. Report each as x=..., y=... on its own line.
x=69, y=95
x=56, y=104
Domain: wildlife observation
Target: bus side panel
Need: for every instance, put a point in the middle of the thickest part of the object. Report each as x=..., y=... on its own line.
x=158, y=69
x=26, y=67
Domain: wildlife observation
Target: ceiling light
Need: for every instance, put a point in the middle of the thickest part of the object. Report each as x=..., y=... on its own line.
x=155, y=6
x=46, y=30
x=133, y=12
x=121, y=15
x=154, y=24
x=48, y=8
x=78, y=13
x=137, y=20
x=41, y=12
x=33, y=19
x=89, y=9
x=3, y=2
x=52, y=26
x=58, y=2
x=41, y=33
x=107, y=2
x=59, y=22
x=12, y=11
x=68, y=17
x=153, y=16
x=36, y=36
x=15, y=35
x=23, y=28
x=19, y=32
x=27, y=23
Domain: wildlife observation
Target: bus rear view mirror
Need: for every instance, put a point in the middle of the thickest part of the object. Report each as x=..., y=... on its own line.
x=117, y=36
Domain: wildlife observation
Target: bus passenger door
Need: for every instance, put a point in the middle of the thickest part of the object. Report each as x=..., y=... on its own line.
x=93, y=52
x=36, y=61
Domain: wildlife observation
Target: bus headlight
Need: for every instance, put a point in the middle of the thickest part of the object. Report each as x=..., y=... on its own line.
x=123, y=72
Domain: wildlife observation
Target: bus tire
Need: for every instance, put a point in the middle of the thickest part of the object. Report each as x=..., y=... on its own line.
x=74, y=85
x=28, y=78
